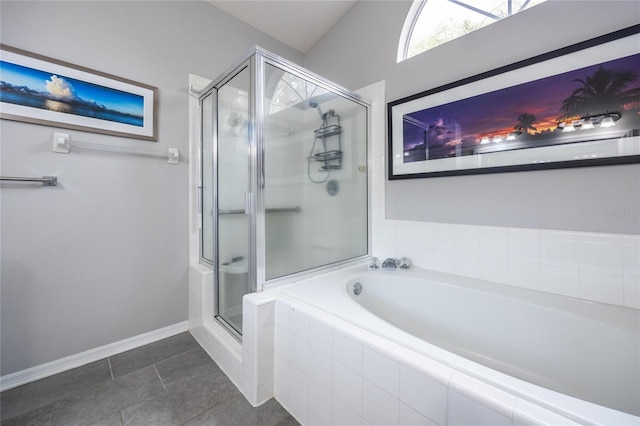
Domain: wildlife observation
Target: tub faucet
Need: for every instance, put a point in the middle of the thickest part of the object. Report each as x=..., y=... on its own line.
x=390, y=263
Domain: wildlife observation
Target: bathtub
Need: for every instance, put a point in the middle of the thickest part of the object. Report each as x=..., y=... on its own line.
x=577, y=359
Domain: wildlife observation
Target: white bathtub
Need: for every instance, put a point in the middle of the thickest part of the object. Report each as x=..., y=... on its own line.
x=575, y=358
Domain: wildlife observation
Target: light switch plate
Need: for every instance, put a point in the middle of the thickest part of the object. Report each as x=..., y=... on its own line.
x=174, y=156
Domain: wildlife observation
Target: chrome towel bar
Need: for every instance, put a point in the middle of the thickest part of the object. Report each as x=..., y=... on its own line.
x=45, y=180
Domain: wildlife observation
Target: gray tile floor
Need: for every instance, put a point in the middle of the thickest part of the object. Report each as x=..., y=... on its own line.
x=169, y=382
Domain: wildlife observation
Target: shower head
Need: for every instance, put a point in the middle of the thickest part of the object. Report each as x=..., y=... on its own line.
x=323, y=115
x=314, y=104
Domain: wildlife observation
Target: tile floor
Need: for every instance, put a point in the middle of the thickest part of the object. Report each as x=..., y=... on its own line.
x=169, y=382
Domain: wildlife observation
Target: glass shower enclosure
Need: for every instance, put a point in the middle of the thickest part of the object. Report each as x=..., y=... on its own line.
x=284, y=178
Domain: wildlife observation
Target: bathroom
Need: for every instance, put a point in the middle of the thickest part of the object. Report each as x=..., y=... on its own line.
x=105, y=256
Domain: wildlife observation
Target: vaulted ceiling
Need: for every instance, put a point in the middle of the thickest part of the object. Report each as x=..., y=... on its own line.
x=296, y=23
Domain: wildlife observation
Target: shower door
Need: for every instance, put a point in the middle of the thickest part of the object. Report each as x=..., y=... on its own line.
x=284, y=178
x=232, y=161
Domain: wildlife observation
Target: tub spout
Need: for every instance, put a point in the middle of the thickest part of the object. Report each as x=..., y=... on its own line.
x=390, y=263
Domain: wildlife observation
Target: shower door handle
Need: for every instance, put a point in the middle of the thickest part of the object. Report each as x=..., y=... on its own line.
x=248, y=202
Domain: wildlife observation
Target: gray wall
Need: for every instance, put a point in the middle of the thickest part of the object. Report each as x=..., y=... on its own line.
x=104, y=256
x=362, y=48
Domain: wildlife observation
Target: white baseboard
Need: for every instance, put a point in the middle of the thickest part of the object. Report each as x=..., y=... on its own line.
x=67, y=363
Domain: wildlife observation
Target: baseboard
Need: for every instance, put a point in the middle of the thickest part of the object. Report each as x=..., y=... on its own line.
x=67, y=363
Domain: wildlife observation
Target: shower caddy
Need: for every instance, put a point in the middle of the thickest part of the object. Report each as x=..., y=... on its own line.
x=331, y=159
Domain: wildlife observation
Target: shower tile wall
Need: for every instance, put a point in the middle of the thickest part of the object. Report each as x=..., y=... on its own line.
x=288, y=137
x=592, y=266
x=323, y=231
x=333, y=220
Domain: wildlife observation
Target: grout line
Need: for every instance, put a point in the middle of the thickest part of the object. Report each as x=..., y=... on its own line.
x=163, y=386
x=215, y=404
x=178, y=354
x=110, y=369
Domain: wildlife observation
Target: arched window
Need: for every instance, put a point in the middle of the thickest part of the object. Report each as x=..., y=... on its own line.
x=291, y=90
x=431, y=23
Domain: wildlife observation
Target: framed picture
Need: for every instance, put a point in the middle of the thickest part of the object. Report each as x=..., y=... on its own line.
x=40, y=90
x=573, y=107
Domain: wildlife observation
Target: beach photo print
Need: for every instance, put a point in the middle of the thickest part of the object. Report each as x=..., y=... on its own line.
x=41, y=90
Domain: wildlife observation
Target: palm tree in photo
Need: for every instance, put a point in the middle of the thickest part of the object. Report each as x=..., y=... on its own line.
x=605, y=90
x=525, y=123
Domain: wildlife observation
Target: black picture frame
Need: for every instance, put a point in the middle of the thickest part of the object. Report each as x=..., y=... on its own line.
x=464, y=127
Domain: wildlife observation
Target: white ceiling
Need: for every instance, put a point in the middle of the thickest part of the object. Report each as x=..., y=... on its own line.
x=297, y=23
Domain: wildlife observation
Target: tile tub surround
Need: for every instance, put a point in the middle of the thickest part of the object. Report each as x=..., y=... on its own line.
x=172, y=381
x=599, y=267
x=333, y=366
x=330, y=372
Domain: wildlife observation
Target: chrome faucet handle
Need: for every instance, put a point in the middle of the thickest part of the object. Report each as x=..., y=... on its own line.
x=404, y=263
x=374, y=263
